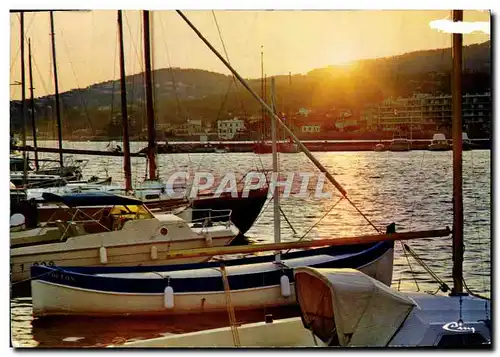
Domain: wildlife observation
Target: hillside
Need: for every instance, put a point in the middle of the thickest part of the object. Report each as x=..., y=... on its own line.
x=198, y=94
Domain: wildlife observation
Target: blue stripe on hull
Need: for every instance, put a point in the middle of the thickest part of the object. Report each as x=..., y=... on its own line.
x=346, y=257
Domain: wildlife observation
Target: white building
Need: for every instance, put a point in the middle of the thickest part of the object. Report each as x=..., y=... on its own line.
x=227, y=129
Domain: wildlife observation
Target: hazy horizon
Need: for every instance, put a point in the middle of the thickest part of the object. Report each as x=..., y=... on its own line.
x=87, y=49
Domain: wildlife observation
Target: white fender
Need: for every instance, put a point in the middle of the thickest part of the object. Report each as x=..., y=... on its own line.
x=103, y=254
x=285, y=286
x=208, y=239
x=154, y=253
x=17, y=222
x=169, y=297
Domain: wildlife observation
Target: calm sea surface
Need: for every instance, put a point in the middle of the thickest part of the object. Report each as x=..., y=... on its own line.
x=412, y=189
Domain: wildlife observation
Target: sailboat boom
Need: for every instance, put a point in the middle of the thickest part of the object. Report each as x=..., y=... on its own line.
x=268, y=109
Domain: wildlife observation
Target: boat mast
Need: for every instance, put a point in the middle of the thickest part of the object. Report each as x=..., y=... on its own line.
x=276, y=194
x=56, y=87
x=123, y=91
x=265, y=100
x=32, y=105
x=23, y=100
x=262, y=138
x=149, y=98
x=288, y=111
x=458, y=215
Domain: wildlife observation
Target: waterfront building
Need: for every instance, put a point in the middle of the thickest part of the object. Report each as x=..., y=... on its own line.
x=228, y=129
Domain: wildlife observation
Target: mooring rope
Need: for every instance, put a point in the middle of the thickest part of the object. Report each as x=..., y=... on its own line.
x=229, y=306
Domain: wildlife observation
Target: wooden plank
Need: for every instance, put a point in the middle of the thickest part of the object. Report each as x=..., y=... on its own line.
x=206, y=252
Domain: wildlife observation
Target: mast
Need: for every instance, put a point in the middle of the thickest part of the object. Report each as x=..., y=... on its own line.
x=32, y=105
x=262, y=90
x=276, y=194
x=265, y=100
x=23, y=99
x=288, y=111
x=149, y=98
x=123, y=91
x=56, y=87
x=458, y=215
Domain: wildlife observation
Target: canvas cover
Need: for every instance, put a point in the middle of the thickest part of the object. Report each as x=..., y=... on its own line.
x=348, y=308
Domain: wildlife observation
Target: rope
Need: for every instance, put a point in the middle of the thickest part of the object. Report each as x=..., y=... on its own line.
x=174, y=84
x=29, y=279
x=409, y=264
x=473, y=293
x=442, y=285
x=227, y=57
x=473, y=172
x=84, y=104
x=229, y=306
x=322, y=217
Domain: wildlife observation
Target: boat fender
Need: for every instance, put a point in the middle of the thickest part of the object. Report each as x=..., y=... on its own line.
x=169, y=297
x=154, y=253
x=285, y=286
x=103, y=254
x=208, y=239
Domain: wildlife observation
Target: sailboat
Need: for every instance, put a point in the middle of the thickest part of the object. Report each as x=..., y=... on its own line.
x=120, y=232
x=346, y=308
x=255, y=282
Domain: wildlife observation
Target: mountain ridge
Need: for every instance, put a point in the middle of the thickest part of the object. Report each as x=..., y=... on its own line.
x=183, y=93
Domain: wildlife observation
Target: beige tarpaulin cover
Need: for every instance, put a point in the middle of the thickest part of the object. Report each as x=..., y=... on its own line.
x=366, y=312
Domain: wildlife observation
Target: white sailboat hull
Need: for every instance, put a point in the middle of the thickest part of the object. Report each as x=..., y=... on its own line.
x=55, y=299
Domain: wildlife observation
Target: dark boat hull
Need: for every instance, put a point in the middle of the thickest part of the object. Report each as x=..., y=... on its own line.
x=244, y=211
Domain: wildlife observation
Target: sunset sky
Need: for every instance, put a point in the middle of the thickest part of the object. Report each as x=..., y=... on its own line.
x=293, y=41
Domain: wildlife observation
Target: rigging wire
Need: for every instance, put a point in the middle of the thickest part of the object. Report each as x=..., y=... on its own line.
x=227, y=57
x=473, y=174
x=409, y=264
x=82, y=100
x=141, y=107
x=190, y=24
x=18, y=51
x=234, y=79
x=174, y=84
x=322, y=217
x=114, y=74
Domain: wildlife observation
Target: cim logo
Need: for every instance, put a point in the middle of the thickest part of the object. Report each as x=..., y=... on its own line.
x=458, y=327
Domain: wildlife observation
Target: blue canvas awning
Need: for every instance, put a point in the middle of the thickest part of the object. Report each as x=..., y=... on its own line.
x=91, y=199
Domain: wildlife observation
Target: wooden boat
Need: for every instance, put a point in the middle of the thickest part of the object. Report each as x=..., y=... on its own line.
x=121, y=232
x=195, y=288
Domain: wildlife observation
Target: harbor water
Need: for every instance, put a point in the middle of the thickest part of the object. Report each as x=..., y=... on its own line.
x=412, y=189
